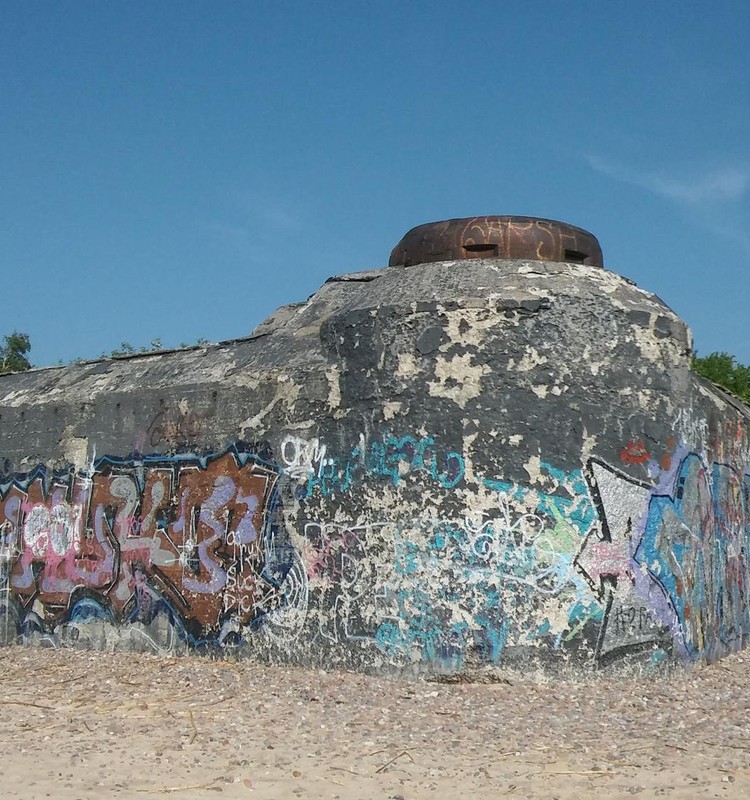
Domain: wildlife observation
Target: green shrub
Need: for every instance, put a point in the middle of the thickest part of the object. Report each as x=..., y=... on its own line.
x=723, y=369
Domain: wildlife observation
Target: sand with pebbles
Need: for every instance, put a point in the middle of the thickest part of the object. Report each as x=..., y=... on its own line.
x=91, y=725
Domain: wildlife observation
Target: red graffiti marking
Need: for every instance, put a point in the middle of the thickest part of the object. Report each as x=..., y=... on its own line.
x=634, y=453
x=666, y=461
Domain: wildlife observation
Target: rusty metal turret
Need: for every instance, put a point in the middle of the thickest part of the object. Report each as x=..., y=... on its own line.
x=497, y=237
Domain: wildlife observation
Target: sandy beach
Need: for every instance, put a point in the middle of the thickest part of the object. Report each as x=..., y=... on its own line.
x=91, y=725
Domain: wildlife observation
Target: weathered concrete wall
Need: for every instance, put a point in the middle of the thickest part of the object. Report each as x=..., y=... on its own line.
x=451, y=468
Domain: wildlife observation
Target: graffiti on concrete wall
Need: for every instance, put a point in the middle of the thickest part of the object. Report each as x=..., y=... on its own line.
x=191, y=537
x=442, y=590
x=670, y=558
x=468, y=588
x=655, y=564
x=389, y=458
x=695, y=546
x=350, y=567
x=606, y=559
x=658, y=566
x=435, y=589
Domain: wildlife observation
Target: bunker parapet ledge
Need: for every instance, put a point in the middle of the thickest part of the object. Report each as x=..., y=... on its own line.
x=454, y=469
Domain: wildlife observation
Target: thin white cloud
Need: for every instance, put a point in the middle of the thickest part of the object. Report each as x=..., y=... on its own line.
x=720, y=185
x=258, y=225
x=269, y=212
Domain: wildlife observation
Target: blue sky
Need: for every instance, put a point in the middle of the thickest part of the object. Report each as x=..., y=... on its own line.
x=177, y=170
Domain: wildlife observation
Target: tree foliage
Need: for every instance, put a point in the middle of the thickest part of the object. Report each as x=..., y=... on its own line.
x=13, y=353
x=723, y=369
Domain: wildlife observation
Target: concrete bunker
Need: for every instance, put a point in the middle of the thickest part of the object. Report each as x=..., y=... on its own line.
x=422, y=469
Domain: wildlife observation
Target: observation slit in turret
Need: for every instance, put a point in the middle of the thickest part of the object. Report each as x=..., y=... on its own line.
x=508, y=237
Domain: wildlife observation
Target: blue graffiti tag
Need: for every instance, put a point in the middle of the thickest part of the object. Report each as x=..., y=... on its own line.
x=391, y=458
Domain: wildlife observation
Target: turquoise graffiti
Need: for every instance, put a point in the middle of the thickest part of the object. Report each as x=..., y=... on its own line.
x=390, y=458
x=566, y=500
x=465, y=589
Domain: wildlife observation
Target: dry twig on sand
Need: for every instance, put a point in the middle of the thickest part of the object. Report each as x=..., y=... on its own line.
x=395, y=758
x=25, y=703
x=169, y=789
